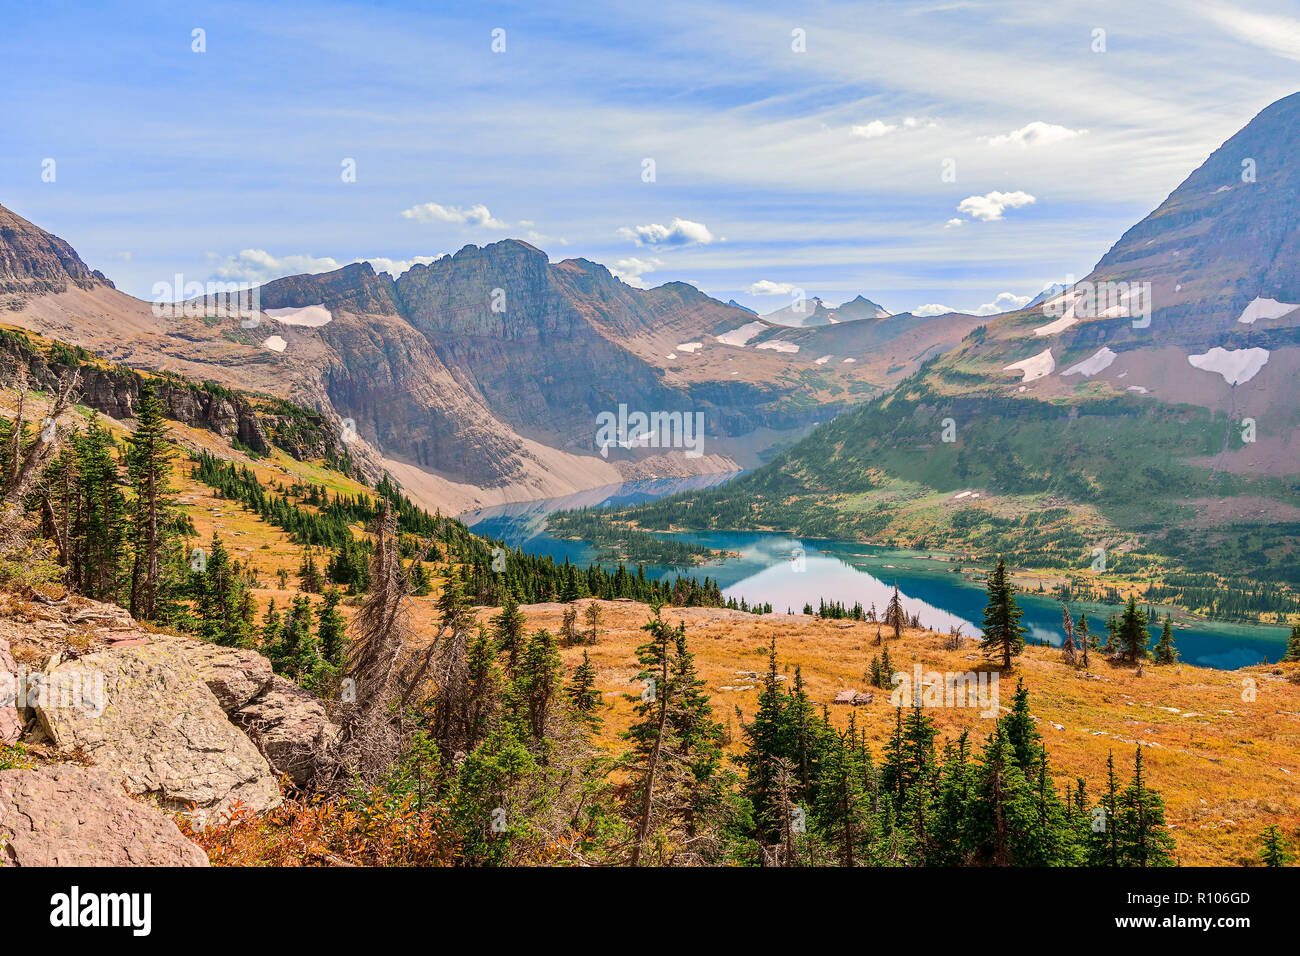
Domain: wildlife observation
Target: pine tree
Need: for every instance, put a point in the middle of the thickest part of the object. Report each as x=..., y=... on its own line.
x=507, y=624
x=1132, y=632
x=1004, y=636
x=1275, y=851
x=330, y=628
x=584, y=698
x=148, y=465
x=763, y=740
x=1293, y=644
x=420, y=585
x=1143, y=840
x=569, y=625
x=536, y=684
x=309, y=573
x=222, y=612
x=592, y=616
x=1165, y=651
x=894, y=616
x=99, y=524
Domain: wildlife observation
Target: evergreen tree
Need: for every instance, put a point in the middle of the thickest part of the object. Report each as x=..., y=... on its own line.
x=584, y=698
x=420, y=585
x=148, y=465
x=223, y=615
x=894, y=616
x=569, y=625
x=1165, y=651
x=1275, y=851
x=1293, y=644
x=592, y=616
x=1132, y=632
x=507, y=624
x=1004, y=637
x=99, y=517
x=1143, y=840
x=330, y=628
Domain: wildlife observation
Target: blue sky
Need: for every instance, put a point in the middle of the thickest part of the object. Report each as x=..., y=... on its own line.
x=774, y=168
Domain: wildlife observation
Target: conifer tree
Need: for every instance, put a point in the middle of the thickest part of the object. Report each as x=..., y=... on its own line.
x=1165, y=652
x=1004, y=637
x=147, y=465
x=1144, y=840
x=1132, y=632
x=507, y=624
x=584, y=698
x=592, y=616
x=1293, y=644
x=894, y=616
x=330, y=628
x=1275, y=851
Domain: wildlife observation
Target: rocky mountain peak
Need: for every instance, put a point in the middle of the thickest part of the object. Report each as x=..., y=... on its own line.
x=34, y=262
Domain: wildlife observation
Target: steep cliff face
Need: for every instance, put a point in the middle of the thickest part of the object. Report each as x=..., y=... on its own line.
x=115, y=391
x=33, y=262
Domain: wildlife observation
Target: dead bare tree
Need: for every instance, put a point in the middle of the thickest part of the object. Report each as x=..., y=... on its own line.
x=1069, y=649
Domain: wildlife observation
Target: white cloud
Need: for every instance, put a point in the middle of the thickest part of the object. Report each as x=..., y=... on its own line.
x=768, y=287
x=873, y=129
x=475, y=215
x=395, y=267
x=258, y=265
x=680, y=232
x=1004, y=302
x=953, y=223
x=631, y=270
x=990, y=206
x=1036, y=133
x=933, y=308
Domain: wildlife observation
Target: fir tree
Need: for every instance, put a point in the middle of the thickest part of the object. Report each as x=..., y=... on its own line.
x=1004, y=637
x=147, y=465
x=1275, y=851
x=1132, y=632
x=1293, y=644
x=330, y=628
x=894, y=616
x=584, y=698
x=1165, y=652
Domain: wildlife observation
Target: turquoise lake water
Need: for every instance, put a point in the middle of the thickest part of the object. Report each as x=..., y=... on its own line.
x=789, y=571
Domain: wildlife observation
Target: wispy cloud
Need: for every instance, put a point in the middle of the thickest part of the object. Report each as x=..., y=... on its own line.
x=1036, y=133
x=767, y=287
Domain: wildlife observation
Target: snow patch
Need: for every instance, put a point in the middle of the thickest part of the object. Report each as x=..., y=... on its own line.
x=1141, y=390
x=788, y=348
x=1235, y=365
x=275, y=344
x=824, y=359
x=847, y=361
x=1039, y=366
x=741, y=335
x=311, y=316
x=690, y=347
x=1099, y=361
x=1261, y=308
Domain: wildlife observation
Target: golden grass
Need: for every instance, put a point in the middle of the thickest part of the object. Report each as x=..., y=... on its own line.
x=1227, y=766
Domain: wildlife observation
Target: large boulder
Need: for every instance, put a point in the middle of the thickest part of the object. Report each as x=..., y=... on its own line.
x=235, y=675
x=290, y=727
x=143, y=713
x=11, y=723
x=65, y=815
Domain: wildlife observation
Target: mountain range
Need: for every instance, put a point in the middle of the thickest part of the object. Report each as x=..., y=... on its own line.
x=479, y=377
x=1142, y=420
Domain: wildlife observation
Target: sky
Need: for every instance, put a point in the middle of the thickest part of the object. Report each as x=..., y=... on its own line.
x=929, y=155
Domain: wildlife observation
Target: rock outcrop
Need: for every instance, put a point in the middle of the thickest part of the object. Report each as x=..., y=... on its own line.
x=66, y=815
x=290, y=727
x=11, y=723
x=143, y=713
x=34, y=262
